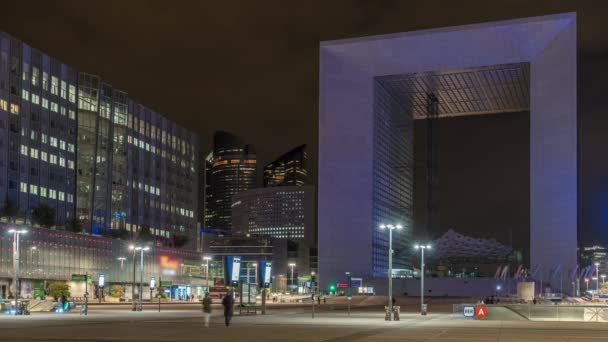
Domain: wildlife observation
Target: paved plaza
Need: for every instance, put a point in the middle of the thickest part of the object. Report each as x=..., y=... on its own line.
x=287, y=324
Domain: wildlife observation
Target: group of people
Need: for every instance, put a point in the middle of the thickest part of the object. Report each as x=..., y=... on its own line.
x=185, y=297
x=227, y=303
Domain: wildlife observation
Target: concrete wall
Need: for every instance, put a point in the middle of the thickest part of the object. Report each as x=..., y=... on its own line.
x=441, y=287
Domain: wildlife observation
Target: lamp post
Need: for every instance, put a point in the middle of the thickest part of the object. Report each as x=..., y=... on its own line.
x=586, y=284
x=255, y=269
x=122, y=261
x=597, y=277
x=207, y=258
x=292, y=265
x=422, y=248
x=141, y=269
x=16, y=233
x=603, y=279
x=390, y=228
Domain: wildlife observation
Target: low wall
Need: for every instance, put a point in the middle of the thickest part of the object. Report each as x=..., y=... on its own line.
x=445, y=287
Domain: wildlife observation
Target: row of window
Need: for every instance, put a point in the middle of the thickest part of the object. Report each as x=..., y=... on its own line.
x=52, y=141
x=156, y=133
x=155, y=231
x=47, y=157
x=58, y=87
x=4, y=105
x=46, y=193
x=54, y=107
x=158, y=151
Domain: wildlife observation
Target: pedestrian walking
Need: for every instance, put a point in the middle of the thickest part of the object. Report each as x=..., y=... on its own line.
x=324, y=299
x=207, y=309
x=319, y=299
x=228, y=303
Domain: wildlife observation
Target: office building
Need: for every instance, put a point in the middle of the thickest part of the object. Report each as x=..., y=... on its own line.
x=373, y=88
x=286, y=214
x=38, y=127
x=136, y=169
x=71, y=141
x=230, y=169
x=288, y=170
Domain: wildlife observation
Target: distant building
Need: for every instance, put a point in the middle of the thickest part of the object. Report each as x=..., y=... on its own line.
x=287, y=215
x=454, y=245
x=288, y=170
x=230, y=169
x=590, y=255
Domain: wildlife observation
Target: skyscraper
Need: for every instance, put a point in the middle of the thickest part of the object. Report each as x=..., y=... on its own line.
x=287, y=170
x=230, y=169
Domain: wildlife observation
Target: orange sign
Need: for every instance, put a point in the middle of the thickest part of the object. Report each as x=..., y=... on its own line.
x=165, y=262
x=481, y=311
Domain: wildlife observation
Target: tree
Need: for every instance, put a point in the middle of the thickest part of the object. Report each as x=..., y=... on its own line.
x=43, y=215
x=10, y=209
x=74, y=224
x=57, y=290
x=116, y=291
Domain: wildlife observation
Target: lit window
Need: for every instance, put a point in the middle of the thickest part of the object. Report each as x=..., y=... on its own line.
x=52, y=194
x=62, y=144
x=54, y=107
x=26, y=70
x=71, y=164
x=25, y=94
x=70, y=147
x=72, y=114
x=14, y=108
x=44, y=138
x=64, y=89
x=33, y=189
x=3, y=105
x=70, y=198
x=35, y=76
x=45, y=103
x=61, y=161
x=52, y=159
x=42, y=191
x=157, y=192
x=24, y=150
x=54, y=85
x=33, y=135
x=43, y=155
x=53, y=141
x=34, y=153
x=45, y=81
x=62, y=110
x=35, y=99
x=60, y=196
x=23, y=187
x=72, y=94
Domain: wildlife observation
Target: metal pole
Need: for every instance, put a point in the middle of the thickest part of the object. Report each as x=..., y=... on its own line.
x=291, y=279
x=86, y=293
x=141, y=278
x=133, y=285
x=159, y=295
x=390, y=274
x=422, y=280
x=16, y=263
x=207, y=275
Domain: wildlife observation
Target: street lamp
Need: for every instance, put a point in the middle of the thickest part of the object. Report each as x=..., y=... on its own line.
x=422, y=248
x=207, y=258
x=16, y=233
x=390, y=228
x=141, y=269
x=603, y=279
x=597, y=277
x=292, y=265
x=122, y=261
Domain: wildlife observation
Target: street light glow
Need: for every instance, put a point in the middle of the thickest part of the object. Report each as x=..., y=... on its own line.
x=382, y=226
x=206, y=258
x=291, y=264
x=17, y=231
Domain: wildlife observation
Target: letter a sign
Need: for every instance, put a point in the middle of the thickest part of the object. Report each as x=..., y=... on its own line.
x=481, y=311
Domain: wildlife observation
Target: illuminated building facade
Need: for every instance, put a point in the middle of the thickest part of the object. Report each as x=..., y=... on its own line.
x=288, y=170
x=37, y=131
x=75, y=143
x=231, y=169
x=136, y=169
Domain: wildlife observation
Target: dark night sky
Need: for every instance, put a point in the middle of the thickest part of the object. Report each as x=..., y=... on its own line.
x=250, y=67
